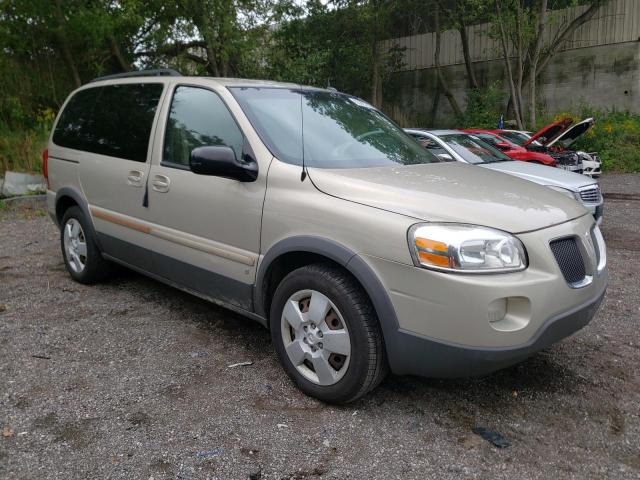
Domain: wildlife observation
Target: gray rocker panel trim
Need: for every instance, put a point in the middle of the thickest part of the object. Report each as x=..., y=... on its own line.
x=214, y=287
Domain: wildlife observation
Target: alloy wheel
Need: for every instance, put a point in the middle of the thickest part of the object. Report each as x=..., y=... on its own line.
x=315, y=337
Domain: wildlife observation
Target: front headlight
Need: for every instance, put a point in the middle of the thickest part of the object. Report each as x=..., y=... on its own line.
x=565, y=191
x=454, y=247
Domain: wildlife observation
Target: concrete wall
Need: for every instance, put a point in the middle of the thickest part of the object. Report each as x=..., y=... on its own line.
x=606, y=77
x=599, y=66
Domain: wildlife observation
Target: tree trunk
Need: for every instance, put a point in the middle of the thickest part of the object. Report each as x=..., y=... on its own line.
x=117, y=53
x=535, y=57
x=436, y=58
x=519, y=60
x=567, y=32
x=63, y=43
x=376, y=101
x=505, y=53
x=434, y=106
x=464, y=38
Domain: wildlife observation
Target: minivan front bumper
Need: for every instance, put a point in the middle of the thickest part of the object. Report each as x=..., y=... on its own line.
x=452, y=325
x=431, y=358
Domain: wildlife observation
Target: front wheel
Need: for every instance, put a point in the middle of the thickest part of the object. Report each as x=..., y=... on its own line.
x=327, y=334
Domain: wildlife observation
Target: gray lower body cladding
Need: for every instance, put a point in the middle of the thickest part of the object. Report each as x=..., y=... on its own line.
x=429, y=358
x=193, y=278
x=408, y=354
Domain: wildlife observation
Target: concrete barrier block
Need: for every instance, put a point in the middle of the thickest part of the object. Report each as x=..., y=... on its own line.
x=16, y=183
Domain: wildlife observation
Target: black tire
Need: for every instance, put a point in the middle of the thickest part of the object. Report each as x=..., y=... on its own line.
x=96, y=268
x=368, y=364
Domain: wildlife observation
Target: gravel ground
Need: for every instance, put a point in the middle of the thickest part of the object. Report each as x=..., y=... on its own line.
x=130, y=379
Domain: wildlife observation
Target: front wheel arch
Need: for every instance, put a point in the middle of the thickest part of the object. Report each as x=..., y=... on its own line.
x=312, y=249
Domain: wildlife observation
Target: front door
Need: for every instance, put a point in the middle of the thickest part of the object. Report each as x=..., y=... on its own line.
x=206, y=229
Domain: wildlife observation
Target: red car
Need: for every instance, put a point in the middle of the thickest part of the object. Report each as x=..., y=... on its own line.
x=511, y=149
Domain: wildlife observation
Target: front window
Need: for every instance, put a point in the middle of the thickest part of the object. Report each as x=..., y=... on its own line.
x=198, y=117
x=519, y=138
x=327, y=129
x=473, y=149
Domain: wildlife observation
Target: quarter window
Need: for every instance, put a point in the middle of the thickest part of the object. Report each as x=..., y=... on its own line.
x=198, y=117
x=114, y=120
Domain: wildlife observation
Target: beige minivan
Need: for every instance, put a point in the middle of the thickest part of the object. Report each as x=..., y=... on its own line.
x=311, y=212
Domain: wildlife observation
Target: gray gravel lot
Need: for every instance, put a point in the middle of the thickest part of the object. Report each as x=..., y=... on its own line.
x=130, y=379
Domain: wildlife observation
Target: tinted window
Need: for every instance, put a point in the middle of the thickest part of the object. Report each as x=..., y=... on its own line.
x=198, y=117
x=115, y=120
x=327, y=130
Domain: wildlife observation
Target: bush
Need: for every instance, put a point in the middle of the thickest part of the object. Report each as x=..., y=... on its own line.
x=21, y=150
x=484, y=107
x=615, y=137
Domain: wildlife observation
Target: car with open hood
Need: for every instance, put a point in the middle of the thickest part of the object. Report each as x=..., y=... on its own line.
x=555, y=139
x=310, y=212
x=473, y=149
x=513, y=150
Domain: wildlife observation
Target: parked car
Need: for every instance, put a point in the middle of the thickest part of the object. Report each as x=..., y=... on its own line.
x=471, y=148
x=566, y=161
x=591, y=163
x=513, y=150
x=312, y=213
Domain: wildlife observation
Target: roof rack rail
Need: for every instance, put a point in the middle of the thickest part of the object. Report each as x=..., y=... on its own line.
x=160, y=72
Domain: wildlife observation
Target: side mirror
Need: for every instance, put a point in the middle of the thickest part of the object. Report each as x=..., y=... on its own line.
x=221, y=161
x=503, y=146
x=444, y=156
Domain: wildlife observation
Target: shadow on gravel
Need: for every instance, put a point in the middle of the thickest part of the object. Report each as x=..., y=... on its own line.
x=538, y=374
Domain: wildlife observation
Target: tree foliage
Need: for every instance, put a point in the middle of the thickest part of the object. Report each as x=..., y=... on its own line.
x=50, y=47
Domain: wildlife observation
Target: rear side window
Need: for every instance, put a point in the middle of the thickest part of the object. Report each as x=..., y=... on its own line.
x=115, y=120
x=198, y=117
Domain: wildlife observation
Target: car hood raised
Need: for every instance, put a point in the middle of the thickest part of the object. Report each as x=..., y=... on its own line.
x=542, y=174
x=571, y=134
x=549, y=132
x=451, y=192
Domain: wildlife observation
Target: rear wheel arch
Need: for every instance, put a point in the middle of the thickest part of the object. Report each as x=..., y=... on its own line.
x=68, y=197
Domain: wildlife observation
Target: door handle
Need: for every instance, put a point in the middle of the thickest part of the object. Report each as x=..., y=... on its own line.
x=134, y=178
x=161, y=183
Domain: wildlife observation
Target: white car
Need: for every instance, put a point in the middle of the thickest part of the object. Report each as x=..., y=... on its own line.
x=469, y=148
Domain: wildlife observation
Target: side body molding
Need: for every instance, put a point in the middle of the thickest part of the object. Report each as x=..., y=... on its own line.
x=355, y=265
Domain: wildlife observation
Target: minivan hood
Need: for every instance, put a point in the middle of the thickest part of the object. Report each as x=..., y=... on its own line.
x=451, y=192
x=542, y=174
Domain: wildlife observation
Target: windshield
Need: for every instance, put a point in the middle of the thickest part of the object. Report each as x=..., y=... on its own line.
x=472, y=149
x=327, y=129
x=519, y=138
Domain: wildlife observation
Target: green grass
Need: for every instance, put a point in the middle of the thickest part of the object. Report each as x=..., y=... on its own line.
x=21, y=151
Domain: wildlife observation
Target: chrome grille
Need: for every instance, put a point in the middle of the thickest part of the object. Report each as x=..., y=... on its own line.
x=569, y=259
x=590, y=194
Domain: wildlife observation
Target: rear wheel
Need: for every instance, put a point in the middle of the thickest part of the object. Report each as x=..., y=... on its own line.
x=327, y=334
x=81, y=255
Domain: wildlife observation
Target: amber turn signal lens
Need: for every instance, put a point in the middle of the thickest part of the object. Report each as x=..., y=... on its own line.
x=434, y=259
x=426, y=244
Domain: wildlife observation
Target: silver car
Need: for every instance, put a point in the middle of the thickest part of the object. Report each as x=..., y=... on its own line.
x=469, y=148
